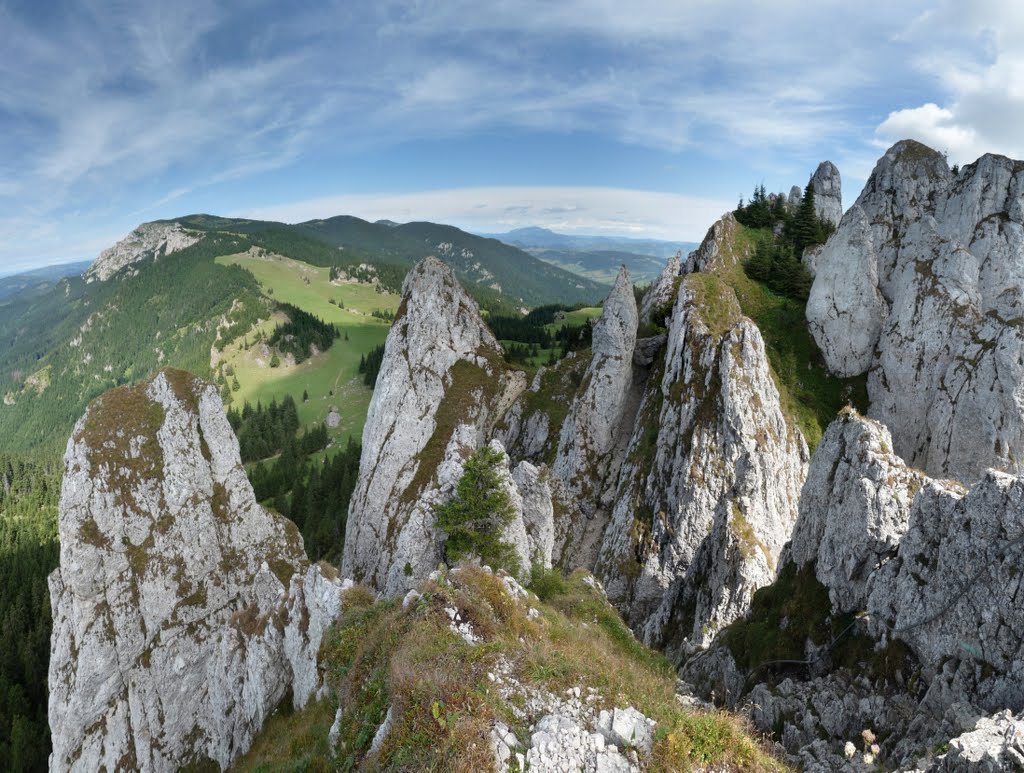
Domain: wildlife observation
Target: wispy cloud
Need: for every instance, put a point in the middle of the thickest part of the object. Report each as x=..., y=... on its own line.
x=111, y=111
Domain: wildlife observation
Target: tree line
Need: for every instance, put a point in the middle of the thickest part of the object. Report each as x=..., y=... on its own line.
x=314, y=494
x=777, y=258
x=29, y=551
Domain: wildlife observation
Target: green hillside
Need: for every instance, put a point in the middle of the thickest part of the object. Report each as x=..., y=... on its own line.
x=330, y=379
x=485, y=263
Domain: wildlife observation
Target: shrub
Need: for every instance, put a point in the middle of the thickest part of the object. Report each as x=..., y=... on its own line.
x=547, y=583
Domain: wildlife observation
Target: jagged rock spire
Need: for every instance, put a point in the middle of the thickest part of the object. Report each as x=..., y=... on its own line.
x=183, y=612
x=921, y=288
x=441, y=383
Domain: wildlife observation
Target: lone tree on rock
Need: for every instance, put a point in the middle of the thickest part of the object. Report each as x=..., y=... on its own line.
x=475, y=518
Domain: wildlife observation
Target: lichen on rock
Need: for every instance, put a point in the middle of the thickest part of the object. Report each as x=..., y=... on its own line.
x=184, y=612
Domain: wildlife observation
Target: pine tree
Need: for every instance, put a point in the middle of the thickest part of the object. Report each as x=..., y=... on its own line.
x=475, y=518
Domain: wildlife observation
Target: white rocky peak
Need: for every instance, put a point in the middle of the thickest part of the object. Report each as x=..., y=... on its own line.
x=441, y=387
x=921, y=288
x=828, y=192
x=183, y=612
x=595, y=432
x=148, y=240
x=661, y=291
x=708, y=494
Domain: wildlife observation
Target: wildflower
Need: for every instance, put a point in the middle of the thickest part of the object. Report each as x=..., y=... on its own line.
x=875, y=749
x=849, y=750
x=868, y=736
x=869, y=758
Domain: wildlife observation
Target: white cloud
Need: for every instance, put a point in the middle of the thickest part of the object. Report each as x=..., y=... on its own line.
x=612, y=211
x=973, y=51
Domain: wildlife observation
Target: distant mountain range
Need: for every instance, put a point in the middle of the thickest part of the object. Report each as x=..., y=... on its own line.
x=494, y=271
x=595, y=257
x=39, y=280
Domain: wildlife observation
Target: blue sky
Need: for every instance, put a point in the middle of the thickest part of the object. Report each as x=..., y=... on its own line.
x=595, y=116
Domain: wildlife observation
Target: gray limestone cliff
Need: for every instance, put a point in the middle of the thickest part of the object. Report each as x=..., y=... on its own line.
x=183, y=612
x=147, y=241
x=921, y=287
x=441, y=388
x=708, y=494
x=925, y=590
x=828, y=192
x=593, y=437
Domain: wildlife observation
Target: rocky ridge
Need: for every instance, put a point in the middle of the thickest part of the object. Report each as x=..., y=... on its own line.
x=927, y=573
x=704, y=507
x=184, y=613
x=920, y=287
x=149, y=240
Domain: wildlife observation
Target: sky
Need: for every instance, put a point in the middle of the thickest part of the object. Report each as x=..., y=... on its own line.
x=647, y=118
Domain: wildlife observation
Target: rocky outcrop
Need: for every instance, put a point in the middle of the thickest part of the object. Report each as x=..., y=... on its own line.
x=183, y=612
x=149, y=240
x=595, y=432
x=995, y=744
x=796, y=195
x=828, y=192
x=926, y=598
x=935, y=565
x=532, y=486
x=718, y=250
x=854, y=508
x=708, y=495
x=920, y=287
x=441, y=388
x=662, y=291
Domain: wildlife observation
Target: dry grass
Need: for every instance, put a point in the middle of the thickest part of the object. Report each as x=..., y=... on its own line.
x=443, y=703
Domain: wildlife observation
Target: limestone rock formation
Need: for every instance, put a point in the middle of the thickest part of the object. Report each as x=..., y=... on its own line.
x=854, y=508
x=596, y=430
x=183, y=612
x=147, y=241
x=442, y=386
x=708, y=494
x=995, y=744
x=828, y=192
x=795, y=195
x=661, y=291
x=934, y=564
x=920, y=287
x=934, y=570
x=718, y=248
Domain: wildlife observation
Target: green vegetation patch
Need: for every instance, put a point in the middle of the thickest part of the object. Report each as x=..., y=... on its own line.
x=810, y=395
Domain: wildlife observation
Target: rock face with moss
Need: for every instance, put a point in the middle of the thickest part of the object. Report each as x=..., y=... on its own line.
x=147, y=241
x=442, y=386
x=593, y=437
x=708, y=495
x=936, y=569
x=920, y=287
x=183, y=612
